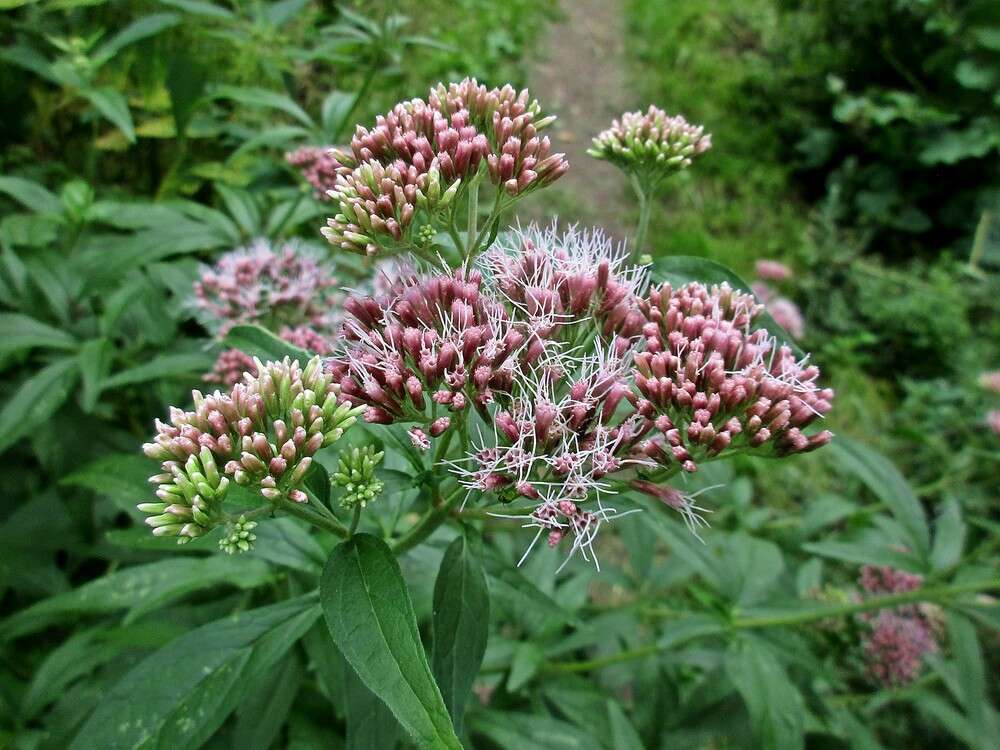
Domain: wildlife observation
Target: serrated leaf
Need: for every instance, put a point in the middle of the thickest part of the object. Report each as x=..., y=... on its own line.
x=18, y=332
x=242, y=207
x=139, y=29
x=258, y=97
x=949, y=537
x=370, y=616
x=139, y=589
x=623, y=734
x=512, y=729
x=83, y=652
x=31, y=195
x=260, y=717
x=114, y=107
x=461, y=624
x=95, y=361
x=865, y=553
x=884, y=480
x=163, y=366
x=36, y=399
x=774, y=704
x=370, y=723
x=122, y=478
x=259, y=342
x=180, y=695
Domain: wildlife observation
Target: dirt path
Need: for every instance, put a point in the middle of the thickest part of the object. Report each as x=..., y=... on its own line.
x=581, y=77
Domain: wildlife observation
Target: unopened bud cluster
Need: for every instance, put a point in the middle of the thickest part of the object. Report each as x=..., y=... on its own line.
x=355, y=475
x=651, y=144
x=400, y=175
x=262, y=434
x=239, y=537
x=317, y=165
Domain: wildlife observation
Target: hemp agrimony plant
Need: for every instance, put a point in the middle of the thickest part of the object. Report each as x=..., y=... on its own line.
x=528, y=373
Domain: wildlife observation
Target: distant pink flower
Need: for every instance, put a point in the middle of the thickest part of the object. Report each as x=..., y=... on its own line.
x=993, y=420
x=317, y=165
x=273, y=287
x=897, y=639
x=990, y=380
x=229, y=368
x=772, y=270
x=307, y=338
x=787, y=315
x=896, y=647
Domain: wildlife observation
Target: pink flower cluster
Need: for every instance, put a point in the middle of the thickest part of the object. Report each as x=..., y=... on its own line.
x=317, y=165
x=582, y=379
x=772, y=270
x=288, y=290
x=414, y=160
x=785, y=312
x=898, y=639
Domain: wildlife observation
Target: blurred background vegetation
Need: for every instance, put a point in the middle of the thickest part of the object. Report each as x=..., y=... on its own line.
x=856, y=141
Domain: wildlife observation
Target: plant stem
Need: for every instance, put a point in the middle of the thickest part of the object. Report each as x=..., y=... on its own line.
x=645, y=206
x=928, y=594
x=355, y=520
x=471, y=232
x=302, y=511
x=423, y=528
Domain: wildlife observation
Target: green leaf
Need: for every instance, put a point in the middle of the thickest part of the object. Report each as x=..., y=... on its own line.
x=259, y=342
x=114, y=107
x=528, y=659
x=180, y=695
x=461, y=623
x=95, y=361
x=163, y=366
x=31, y=195
x=83, y=652
x=370, y=616
x=949, y=537
x=199, y=8
x=370, y=723
x=122, y=478
x=752, y=570
x=262, y=714
x=511, y=729
x=864, y=553
x=138, y=30
x=283, y=541
x=19, y=332
x=773, y=702
x=257, y=97
x=37, y=399
x=241, y=207
x=884, y=480
x=139, y=589
x=623, y=734
x=683, y=269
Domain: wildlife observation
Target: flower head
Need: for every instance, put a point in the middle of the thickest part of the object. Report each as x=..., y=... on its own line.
x=318, y=166
x=710, y=382
x=261, y=434
x=990, y=380
x=651, y=144
x=787, y=315
x=399, y=174
x=993, y=421
x=284, y=286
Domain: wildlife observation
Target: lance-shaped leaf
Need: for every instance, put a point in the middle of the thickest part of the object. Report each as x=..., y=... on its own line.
x=371, y=619
x=461, y=623
x=180, y=695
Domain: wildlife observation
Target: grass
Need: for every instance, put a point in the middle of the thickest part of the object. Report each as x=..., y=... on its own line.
x=699, y=59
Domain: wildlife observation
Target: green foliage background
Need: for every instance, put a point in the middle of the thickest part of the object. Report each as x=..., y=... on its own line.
x=856, y=141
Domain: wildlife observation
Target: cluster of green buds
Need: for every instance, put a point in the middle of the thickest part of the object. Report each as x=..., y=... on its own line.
x=240, y=537
x=263, y=434
x=651, y=145
x=356, y=476
x=190, y=495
